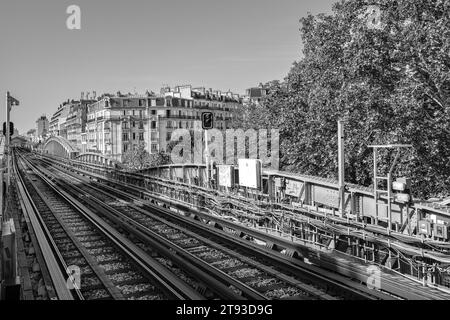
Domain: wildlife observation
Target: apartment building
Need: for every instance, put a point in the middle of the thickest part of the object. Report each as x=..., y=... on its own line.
x=42, y=126
x=56, y=125
x=256, y=95
x=31, y=135
x=75, y=122
x=184, y=106
x=117, y=123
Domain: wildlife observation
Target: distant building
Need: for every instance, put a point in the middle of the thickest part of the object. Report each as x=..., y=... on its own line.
x=118, y=123
x=31, y=135
x=256, y=95
x=56, y=125
x=19, y=141
x=42, y=126
x=115, y=124
x=75, y=122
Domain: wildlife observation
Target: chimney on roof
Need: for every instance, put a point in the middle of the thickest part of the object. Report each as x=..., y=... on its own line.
x=94, y=95
x=82, y=95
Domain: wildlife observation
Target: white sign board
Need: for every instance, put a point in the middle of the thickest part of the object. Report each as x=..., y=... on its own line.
x=250, y=173
x=226, y=176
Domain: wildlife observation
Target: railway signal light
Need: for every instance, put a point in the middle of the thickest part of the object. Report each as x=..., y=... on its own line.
x=207, y=120
x=11, y=129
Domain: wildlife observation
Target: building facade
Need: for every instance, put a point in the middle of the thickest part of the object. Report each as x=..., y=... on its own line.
x=75, y=122
x=56, y=125
x=114, y=124
x=256, y=95
x=42, y=127
x=118, y=123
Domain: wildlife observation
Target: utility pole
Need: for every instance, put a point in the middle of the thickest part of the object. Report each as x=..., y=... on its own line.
x=341, y=164
x=10, y=101
x=6, y=151
x=207, y=158
x=1, y=194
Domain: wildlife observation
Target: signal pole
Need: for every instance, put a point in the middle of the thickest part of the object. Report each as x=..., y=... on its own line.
x=207, y=123
x=341, y=162
x=207, y=158
x=6, y=151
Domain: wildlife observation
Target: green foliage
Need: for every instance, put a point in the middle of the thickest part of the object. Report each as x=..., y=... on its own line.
x=138, y=158
x=391, y=84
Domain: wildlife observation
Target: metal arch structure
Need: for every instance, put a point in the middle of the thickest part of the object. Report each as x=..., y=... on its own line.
x=97, y=158
x=58, y=146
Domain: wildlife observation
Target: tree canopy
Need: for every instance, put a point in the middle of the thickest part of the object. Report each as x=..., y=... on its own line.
x=389, y=80
x=138, y=158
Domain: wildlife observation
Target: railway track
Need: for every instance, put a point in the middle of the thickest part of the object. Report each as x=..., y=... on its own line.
x=111, y=268
x=249, y=277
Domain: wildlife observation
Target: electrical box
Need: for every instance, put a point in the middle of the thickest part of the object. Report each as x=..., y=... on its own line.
x=398, y=186
x=405, y=181
x=226, y=175
x=402, y=197
x=250, y=173
x=278, y=182
x=441, y=231
x=425, y=227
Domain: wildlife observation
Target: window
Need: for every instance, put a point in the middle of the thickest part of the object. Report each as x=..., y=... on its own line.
x=124, y=113
x=153, y=126
x=141, y=136
x=180, y=125
x=154, y=147
x=134, y=123
x=140, y=114
x=141, y=102
x=141, y=125
x=168, y=103
x=134, y=136
x=125, y=103
x=153, y=112
x=125, y=137
x=125, y=147
x=168, y=136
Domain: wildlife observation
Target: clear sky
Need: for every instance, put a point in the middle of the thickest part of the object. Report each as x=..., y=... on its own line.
x=142, y=44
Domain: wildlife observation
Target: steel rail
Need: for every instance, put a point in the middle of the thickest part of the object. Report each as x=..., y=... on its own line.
x=53, y=259
x=176, y=287
x=349, y=286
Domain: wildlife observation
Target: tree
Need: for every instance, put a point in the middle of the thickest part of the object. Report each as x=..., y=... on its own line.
x=391, y=83
x=138, y=158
